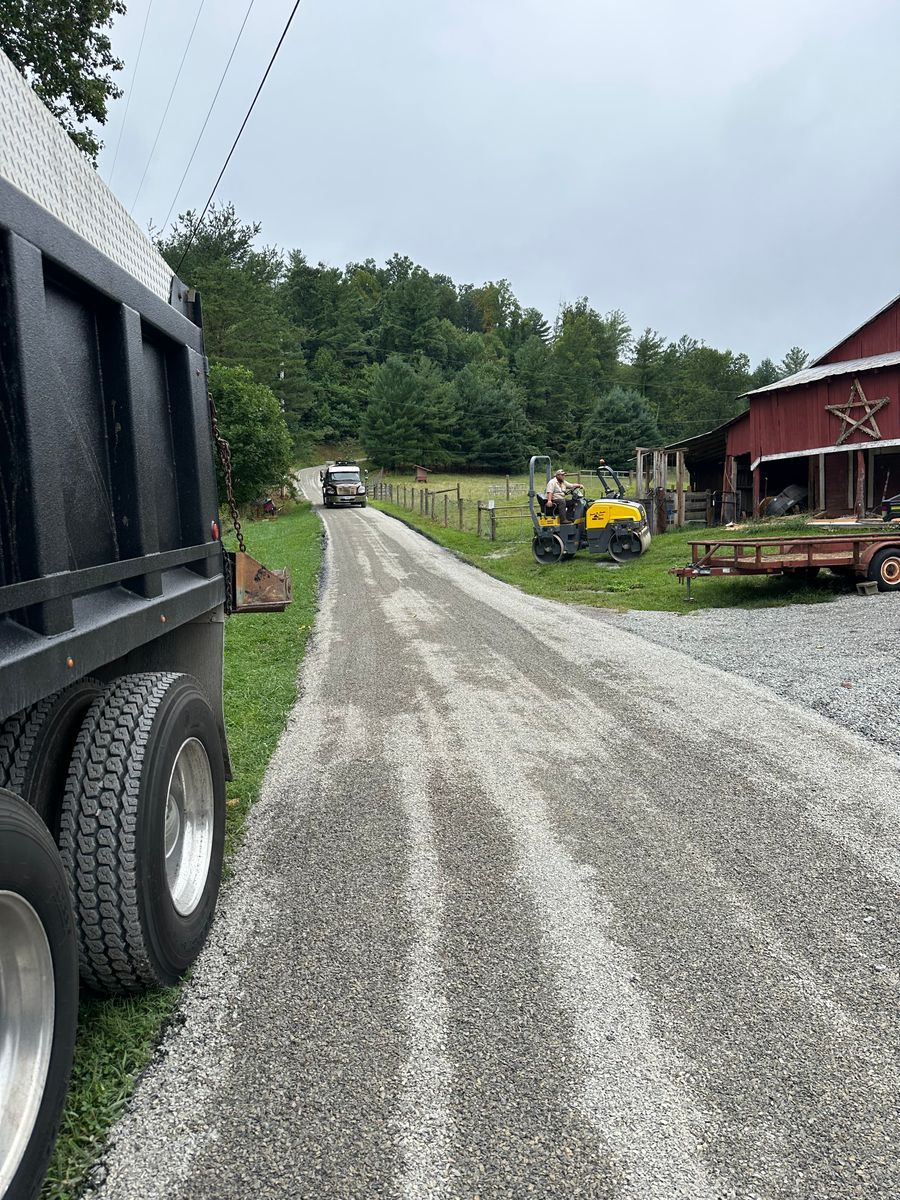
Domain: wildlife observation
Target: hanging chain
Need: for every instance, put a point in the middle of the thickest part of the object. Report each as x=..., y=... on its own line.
x=225, y=458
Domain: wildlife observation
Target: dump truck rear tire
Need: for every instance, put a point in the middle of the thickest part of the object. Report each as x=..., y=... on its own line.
x=39, y=992
x=36, y=746
x=142, y=831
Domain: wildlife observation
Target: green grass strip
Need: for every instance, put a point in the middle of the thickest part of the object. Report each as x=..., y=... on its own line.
x=117, y=1037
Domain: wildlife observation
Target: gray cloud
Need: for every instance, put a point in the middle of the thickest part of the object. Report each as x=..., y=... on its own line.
x=720, y=168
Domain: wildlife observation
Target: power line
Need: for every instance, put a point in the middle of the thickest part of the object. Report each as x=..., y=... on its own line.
x=168, y=105
x=262, y=82
x=208, y=114
x=137, y=63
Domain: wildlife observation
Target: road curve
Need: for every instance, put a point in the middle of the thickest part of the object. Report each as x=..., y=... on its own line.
x=531, y=906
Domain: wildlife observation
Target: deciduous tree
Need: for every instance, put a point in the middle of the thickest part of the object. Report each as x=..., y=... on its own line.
x=62, y=50
x=250, y=418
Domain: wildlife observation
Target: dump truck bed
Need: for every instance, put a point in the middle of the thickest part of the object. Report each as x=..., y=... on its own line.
x=108, y=506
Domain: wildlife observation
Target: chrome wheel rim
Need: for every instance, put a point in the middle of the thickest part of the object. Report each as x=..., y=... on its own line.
x=27, y=1010
x=188, y=829
x=890, y=571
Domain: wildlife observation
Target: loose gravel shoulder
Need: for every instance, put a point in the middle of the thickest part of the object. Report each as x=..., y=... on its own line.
x=838, y=659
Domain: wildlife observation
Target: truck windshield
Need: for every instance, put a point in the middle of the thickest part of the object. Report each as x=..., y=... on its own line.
x=344, y=476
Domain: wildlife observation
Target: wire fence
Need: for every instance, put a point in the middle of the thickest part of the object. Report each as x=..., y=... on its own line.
x=497, y=520
x=507, y=519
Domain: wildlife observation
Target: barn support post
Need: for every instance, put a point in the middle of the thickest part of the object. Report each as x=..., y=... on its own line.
x=756, y=483
x=639, y=472
x=679, y=489
x=870, y=491
x=860, y=507
x=660, y=471
x=822, y=501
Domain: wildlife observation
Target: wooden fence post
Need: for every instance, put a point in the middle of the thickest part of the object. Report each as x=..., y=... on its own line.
x=446, y=500
x=433, y=504
x=493, y=513
x=507, y=487
x=459, y=505
x=479, y=518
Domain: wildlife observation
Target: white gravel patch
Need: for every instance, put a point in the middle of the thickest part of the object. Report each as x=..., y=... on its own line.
x=839, y=659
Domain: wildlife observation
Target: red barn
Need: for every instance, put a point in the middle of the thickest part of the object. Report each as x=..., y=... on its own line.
x=832, y=428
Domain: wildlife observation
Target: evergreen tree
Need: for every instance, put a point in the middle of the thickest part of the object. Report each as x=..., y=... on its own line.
x=795, y=360
x=411, y=416
x=618, y=422
x=764, y=374
x=492, y=420
x=533, y=367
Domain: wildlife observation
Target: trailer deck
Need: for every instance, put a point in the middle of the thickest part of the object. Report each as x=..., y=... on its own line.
x=792, y=555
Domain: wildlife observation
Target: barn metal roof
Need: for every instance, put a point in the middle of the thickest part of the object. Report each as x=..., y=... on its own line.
x=850, y=366
x=868, y=321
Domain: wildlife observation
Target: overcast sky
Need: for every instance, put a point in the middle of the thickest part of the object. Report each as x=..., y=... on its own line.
x=727, y=169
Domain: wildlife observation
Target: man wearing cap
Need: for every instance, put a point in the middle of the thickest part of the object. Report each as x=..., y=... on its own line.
x=556, y=495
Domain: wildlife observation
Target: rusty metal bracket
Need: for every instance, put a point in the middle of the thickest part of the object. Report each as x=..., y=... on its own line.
x=254, y=588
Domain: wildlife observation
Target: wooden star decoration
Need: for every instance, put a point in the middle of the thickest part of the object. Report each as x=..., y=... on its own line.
x=847, y=413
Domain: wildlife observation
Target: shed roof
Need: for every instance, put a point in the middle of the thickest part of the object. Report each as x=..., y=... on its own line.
x=710, y=444
x=851, y=366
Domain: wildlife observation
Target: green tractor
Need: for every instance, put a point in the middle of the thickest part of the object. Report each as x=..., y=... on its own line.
x=611, y=525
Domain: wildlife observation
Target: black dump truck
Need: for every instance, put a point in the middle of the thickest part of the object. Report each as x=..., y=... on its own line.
x=113, y=582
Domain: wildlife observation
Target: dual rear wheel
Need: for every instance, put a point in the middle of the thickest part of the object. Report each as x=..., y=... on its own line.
x=127, y=896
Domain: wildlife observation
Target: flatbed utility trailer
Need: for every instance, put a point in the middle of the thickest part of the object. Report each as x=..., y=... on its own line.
x=872, y=556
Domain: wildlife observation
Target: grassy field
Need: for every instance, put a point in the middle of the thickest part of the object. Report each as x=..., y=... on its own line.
x=642, y=584
x=116, y=1038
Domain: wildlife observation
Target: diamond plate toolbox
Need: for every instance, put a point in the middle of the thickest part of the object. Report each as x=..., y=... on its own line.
x=38, y=158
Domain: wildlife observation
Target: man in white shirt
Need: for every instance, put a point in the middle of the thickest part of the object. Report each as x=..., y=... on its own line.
x=557, y=490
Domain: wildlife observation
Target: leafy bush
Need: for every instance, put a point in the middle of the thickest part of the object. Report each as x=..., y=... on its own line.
x=250, y=418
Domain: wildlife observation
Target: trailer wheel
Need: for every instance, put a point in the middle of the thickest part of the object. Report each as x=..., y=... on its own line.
x=884, y=569
x=142, y=831
x=38, y=996
x=36, y=746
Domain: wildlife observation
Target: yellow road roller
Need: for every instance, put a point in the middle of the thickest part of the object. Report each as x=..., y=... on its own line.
x=610, y=525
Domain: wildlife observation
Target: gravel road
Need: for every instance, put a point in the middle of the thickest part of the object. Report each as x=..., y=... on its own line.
x=532, y=905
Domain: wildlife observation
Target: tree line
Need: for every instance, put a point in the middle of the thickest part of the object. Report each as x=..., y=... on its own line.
x=422, y=369
x=416, y=366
